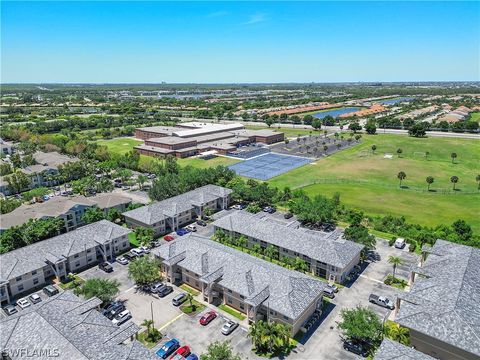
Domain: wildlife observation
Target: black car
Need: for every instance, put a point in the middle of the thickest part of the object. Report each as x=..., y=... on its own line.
x=201, y=223
x=106, y=267
x=355, y=347
x=328, y=227
x=50, y=290
x=288, y=215
x=115, y=309
x=130, y=256
x=164, y=291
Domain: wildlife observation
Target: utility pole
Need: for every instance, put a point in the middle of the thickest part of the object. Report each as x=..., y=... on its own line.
x=151, y=310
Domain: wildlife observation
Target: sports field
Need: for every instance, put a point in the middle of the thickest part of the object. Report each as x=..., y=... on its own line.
x=119, y=146
x=369, y=181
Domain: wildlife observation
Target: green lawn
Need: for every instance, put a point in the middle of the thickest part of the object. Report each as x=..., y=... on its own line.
x=232, y=311
x=119, y=146
x=202, y=164
x=370, y=182
x=475, y=116
x=289, y=132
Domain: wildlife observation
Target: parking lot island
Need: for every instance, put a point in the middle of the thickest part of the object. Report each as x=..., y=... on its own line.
x=31, y=267
x=328, y=254
x=255, y=287
x=170, y=214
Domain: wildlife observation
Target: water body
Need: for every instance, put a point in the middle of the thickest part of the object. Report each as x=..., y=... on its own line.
x=336, y=112
x=395, y=101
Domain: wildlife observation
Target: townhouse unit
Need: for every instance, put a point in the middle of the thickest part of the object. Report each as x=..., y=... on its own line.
x=70, y=209
x=328, y=254
x=170, y=214
x=6, y=147
x=255, y=287
x=31, y=267
x=442, y=310
x=66, y=327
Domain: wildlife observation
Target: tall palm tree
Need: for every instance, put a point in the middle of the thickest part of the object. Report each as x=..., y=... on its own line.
x=429, y=181
x=454, y=179
x=395, y=261
x=374, y=147
x=148, y=324
x=401, y=176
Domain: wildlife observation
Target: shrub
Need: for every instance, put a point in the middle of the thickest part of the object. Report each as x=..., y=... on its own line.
x=412, y=247
x=392, y=241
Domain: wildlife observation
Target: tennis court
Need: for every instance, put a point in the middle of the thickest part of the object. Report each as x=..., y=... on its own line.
x=269, y=165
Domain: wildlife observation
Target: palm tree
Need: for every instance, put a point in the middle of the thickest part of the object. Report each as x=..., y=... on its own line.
x=429, y=181
x=374, y=147
x=453, y=156
x=190, y=301
x=399, y=152
x=257, y=249
x=148, y=324
x=242, y=241
x=339, y=145
x=478, y=181
x=454, y=179
x=325, y=148
x=397, y=333
x=286, y=142
x=271, y=252
x=395, y=261
x=401, y=176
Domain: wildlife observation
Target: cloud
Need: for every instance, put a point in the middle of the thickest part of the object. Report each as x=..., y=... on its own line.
x=255, y=19
x=217, y=14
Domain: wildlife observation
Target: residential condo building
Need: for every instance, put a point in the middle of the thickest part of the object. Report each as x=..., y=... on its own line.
x=255, y=287
x=170, y=214
x=31, y=267
x=328, y=254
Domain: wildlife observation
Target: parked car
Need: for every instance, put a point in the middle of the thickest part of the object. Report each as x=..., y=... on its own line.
x=400, y=243
x=288, y=215
x=168, y=348
x=208, y=317
x=155, y=287
x=137, y=251
x=35, y=298
x=239, y=206
x=179, y=299
x=228, y=327
x=105, y=267
x=50, y=290
x=164, y=291
x=168, y=238
x=23, y=303
x=145, y=249
x=114, y=310
x=201, y=223
x=122, y=260
x=130, y=256
x=10, y=310
x=355, y=347
x=155, y=243
x=181, y=232
x=183, y=351
x=122, y=317
x=269, y=209
x=192, y=356
x=381, y=301
x=329, y=292
x=191, y=228
x=333, y=287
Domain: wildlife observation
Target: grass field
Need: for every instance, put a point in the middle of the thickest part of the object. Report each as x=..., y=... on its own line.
x=289, y=132
x=119, y=146
x=196, y=162
x=370, y=182
x=475, y=116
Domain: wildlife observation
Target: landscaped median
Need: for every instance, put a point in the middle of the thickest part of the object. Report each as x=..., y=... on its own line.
x=232, y=311
x=192, y=307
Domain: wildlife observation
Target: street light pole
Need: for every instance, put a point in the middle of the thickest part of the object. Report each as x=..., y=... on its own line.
x=151, y=310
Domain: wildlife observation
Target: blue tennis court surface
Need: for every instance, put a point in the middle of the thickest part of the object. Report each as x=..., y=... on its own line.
x=267, y=166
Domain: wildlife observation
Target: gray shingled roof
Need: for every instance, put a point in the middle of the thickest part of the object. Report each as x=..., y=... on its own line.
x=328, y=248
x=290, y=292
x=158, y=211
x=73, y=328
x=444, y=303
x=392, y=350
x=26, y=259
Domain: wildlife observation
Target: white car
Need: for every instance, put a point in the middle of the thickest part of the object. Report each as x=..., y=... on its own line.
x=35, y=298
x=145, y=249
x=122, y=317
x=137, y=251
x=191, y=227
x=23, y=303
x=122, y=260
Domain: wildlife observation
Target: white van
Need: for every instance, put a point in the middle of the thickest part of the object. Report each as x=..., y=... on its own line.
x=400, y=243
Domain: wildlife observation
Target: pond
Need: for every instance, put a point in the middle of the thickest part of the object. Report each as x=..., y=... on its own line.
x=335, y=112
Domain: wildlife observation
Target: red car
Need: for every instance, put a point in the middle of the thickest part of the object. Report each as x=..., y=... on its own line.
x=208, y=317
x=168, y=238
x=183, y=351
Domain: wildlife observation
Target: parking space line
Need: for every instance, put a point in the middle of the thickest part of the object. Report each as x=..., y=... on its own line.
x=369, y=278
x=170, y=322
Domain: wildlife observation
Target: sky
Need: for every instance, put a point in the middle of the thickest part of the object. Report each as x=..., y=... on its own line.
x=239, y=42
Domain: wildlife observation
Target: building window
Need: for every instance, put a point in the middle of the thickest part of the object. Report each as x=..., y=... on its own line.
x=34, y=272
x=229, y=291
x=89, y=251
x=242, y=307
x=77, y=264
x=229, y=300
x=18, y=278
x=20, y=287
x=35, y=281
x=76, y=256
x=286, y=317
x=242, y=297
